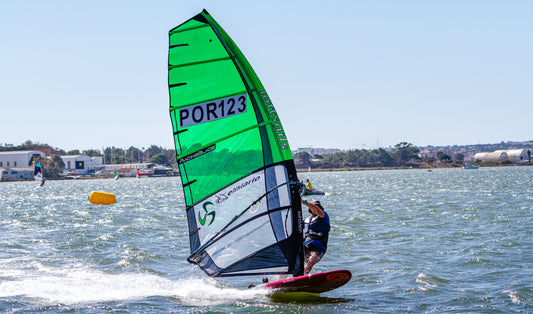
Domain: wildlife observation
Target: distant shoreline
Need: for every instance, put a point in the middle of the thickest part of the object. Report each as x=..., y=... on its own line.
x=481, y=165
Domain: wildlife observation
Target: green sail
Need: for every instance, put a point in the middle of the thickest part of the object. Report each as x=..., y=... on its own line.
x=205, y=66
x=229, y=139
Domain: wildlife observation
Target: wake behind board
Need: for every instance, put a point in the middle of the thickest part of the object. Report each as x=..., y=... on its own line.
x=314, y=283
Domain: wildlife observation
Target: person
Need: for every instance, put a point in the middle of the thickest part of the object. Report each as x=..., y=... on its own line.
x=309, y=186
x=316, y=230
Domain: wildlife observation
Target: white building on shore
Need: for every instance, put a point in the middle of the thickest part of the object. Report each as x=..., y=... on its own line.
x=519, y=155
x=81, y=164
x=516, y=154
x=485, y=156
x=23, y=158
x=23, y=173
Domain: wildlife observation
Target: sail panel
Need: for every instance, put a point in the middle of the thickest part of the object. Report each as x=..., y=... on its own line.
x=263, y=225
x=219, y=164
x=268, y=260
x=194, y=44
x=195, y=89
x=236, y=166
x=242, y=242
x=215, y=212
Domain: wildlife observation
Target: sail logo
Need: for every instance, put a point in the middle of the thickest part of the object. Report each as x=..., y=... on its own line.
x=212, y=111
x=221, y=197
x=196, y=154
x=280, y=133
x=212, y=214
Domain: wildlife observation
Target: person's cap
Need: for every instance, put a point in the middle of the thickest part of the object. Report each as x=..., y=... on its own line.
x=315, y=202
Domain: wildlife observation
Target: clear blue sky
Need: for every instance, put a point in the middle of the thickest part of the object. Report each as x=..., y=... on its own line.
x=342, y=74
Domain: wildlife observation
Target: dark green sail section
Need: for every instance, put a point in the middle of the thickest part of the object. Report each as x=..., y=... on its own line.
x=224, y=123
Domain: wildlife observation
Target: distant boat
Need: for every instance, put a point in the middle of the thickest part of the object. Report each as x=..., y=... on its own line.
x=313, y=192
x=469, y=166
x=38, y=174
x=162, y=171
x=308, y=190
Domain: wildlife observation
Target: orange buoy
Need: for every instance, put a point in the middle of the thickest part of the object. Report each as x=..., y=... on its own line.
x=102, y=198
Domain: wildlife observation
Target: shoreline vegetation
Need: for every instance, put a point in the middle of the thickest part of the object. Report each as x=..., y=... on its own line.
x=402, y=156
x=449, y=166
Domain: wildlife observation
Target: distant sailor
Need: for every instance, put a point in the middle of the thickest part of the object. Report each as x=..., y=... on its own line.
x=316, y=230
x=309, y=186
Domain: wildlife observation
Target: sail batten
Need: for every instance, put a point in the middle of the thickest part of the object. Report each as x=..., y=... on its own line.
x=180, y=157
x=199, y=63
x=181, y=30
x=238, y=175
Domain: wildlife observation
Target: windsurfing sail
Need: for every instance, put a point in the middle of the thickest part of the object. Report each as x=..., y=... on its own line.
x=238, y=176
x=116, y=175
x=38, y=173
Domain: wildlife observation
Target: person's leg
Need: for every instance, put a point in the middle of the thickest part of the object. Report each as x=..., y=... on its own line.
x=314, y=258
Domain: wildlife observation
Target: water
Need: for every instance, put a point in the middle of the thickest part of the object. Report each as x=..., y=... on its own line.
x=450, y=240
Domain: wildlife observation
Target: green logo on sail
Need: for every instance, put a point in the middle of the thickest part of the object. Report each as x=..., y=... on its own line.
x=207, y=213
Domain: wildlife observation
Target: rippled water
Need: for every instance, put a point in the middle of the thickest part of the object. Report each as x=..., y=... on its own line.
x=416, y=241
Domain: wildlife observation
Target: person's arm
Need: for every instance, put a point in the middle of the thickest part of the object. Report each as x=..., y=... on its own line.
x=314, y=209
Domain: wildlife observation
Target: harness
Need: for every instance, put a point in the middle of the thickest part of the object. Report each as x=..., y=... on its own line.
x=321, y=236
x=317, y=231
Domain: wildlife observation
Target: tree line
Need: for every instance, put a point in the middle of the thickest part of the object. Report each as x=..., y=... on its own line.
x=402, y=155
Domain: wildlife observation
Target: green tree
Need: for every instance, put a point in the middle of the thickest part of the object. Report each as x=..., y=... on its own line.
x=153, y=150
x=381, y=158
x=53, y=167
x=171, y=156
x=443, y=157
x=404, y=152
x=304, y=158
x=133, y=155
x=114, y=155
x=160, y=159
x=333, y=160
x=92, y=152
x=459, y=157
x=74, y=152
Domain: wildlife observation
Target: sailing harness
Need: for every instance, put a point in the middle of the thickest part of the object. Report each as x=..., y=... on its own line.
x=317, y=233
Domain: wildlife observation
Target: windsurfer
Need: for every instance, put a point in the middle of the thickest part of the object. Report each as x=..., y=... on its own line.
x=308, y=185
x=316, y=234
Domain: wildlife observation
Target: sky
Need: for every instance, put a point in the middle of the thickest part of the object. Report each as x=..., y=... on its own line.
x=342, y=74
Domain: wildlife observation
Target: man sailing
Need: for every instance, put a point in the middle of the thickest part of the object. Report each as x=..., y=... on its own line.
x=316, y=230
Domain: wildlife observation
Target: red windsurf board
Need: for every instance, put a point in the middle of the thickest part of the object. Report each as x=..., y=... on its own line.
x=313, y=283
